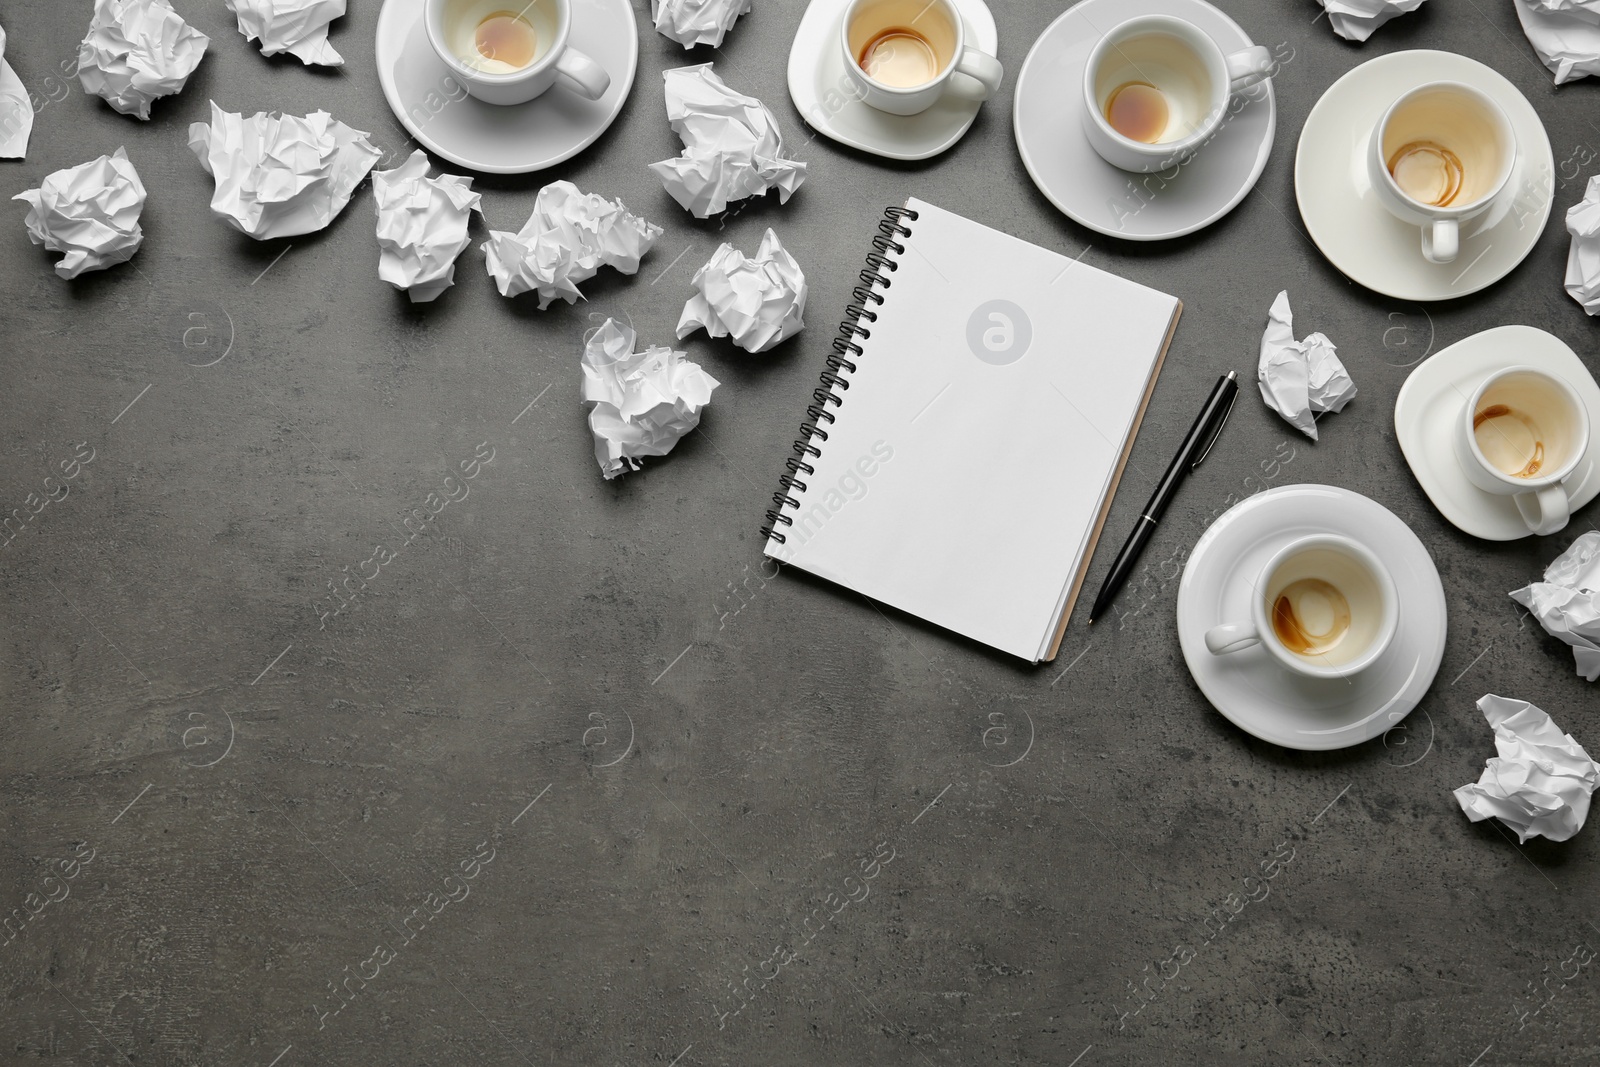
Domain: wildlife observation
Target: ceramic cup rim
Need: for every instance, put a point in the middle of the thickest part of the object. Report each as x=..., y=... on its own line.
x=1203, y=44
x=1544, y=481
x=903, y=90
x=1381, y=578
x=1455, y=211
x=432, y=20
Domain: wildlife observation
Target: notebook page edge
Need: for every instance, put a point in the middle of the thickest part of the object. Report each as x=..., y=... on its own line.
x=1075, y=587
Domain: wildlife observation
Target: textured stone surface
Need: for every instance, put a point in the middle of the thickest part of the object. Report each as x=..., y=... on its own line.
x=266, y=799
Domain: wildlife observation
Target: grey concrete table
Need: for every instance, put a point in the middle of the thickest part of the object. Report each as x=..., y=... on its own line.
x=575, y=781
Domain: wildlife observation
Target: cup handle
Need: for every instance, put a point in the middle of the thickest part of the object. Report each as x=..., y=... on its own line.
x=582, y=75
x=1231, y=637
x=1442, y=241
x=1247, y=67
x=1545, y=511
x=981, y=68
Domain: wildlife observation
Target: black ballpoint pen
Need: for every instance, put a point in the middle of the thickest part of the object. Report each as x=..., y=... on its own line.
x=1202, y=435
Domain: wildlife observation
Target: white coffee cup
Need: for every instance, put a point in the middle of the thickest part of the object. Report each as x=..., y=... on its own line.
x=1189, y=69
x=929, y=37
x=1300, y=574
x=1461, y=121
x=1510, y=413
x=452, y=26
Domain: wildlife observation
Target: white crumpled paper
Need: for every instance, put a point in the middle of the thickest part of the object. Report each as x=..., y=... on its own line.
x=1540, y=783
x=1583, y=258
x=422, y=226
x=1300, y=379
x=1567, y=602
x=16, y=110
x=731, y=145
x=757, y=300
x=566, y=240
x=643, y=401
x=136, y=51
x=1565, y=33
x=1355, y=20
x=692, y=22
x=90, y=212
x=278, y=175
x=299, y=27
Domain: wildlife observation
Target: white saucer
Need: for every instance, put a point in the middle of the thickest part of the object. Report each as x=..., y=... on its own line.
x=1373, y=247
x=1252, y=689
x=519, y=138
x=1432, y=399
x=824, y=95
x=1085, y=187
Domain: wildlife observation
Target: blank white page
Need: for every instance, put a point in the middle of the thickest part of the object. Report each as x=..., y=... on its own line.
x=965, y=478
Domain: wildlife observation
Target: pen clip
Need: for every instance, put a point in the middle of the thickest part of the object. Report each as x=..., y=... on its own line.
x=1223, y=421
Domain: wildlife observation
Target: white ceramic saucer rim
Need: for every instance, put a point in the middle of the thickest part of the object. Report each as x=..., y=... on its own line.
x=1410, y=641
x=1422, y=385
x=1423, y=286
x=805, y=68
x=1263, y=153
x=391, y=94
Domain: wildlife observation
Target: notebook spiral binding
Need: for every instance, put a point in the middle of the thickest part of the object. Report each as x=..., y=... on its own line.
x=879, y=263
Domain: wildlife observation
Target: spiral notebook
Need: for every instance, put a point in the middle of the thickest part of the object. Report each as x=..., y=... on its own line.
x=970, y=429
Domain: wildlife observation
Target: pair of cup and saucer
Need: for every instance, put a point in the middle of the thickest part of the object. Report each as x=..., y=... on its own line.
x=1502, y=431
x=1311, y=617
x=1424, y=175
x=901, y=79
x=1196, y=65
x=563, y=71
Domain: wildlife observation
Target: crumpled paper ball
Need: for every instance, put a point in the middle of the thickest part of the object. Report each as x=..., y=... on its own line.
x=566, y=240
x=1355, y=20
x=279, y=175
x=1583, y=258
x=136, y=51
x=643, y=401
x=1565, y=33
x=731, y=145
x=692, y=22
x=16, y=110
x=90, y=212
x=299, y=27
x=1540, y=783
x=1567, y=602
x=757, y=300
x=1300, y=379
x=422, y=226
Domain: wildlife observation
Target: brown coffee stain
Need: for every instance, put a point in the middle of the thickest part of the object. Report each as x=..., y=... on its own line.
x=508, y=37
x=1493, y=411
x=1421, y=167
x=1292, y=631
x=1287, y=626
x=1533, y=464
x=1500, y=411
x=1138, y=111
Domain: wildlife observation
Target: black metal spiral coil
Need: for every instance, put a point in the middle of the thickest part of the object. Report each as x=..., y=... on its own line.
x=835, y=379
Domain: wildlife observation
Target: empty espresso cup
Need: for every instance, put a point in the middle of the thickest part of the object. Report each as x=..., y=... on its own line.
x=1156, y=87
x=1521, y=434
x=510, y=51
x=1324, y=606
x=903, y=55
x=1438, y=157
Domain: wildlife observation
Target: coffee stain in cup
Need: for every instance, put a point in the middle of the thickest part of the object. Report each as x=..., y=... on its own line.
x=1310, y=617
x=1138, y=111
x=1427, y=172
x=507, y=37
x=901, y=57
x=1512, y=443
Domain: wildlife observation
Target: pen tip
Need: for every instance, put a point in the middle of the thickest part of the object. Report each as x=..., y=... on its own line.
x=1233, y=376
